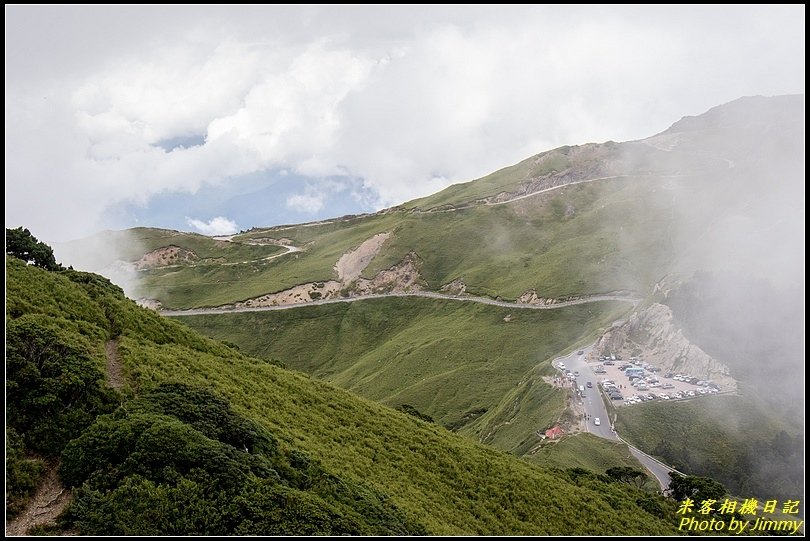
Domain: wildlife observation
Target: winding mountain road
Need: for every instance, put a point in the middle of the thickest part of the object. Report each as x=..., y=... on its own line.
x=595, y=408
x=424, y=294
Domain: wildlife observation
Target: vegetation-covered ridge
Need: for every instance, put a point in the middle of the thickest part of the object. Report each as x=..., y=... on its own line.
x=465, y=365
x=204, y=439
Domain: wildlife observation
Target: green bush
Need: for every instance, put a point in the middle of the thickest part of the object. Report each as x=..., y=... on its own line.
x=54, y=387
x=22, y=473
x=179, y=461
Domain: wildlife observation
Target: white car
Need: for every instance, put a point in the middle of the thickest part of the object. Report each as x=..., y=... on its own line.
x=596, y=421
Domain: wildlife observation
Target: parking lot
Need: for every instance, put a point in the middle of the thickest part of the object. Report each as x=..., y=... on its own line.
x=647, y=383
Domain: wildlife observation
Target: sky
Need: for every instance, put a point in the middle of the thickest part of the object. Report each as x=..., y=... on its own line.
x=216, y=119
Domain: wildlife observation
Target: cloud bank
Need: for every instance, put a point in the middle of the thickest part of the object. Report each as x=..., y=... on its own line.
x=216, y=226
x=403, y=100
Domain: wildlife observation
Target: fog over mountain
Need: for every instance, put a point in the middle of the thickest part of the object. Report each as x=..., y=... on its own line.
x=177, y=118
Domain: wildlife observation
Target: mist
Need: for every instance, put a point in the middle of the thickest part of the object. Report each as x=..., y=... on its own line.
x=108, y=107
x=109, y=253
x=732, y=184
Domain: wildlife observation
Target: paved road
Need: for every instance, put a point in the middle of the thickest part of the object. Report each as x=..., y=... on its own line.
x=595, y=407
x=427, y=294
x=658, y=469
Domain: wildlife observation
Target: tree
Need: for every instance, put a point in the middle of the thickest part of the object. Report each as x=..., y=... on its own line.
x=22, y=244
x=694, y=487
x=628, y=475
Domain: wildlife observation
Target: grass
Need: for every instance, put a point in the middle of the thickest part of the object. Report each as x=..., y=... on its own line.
x=440, y=480
x=443, y=357
x=728, y=438
x=131, y=244
x=217, y=285
x=589, y=452
x=577, y=240
x=582, y=239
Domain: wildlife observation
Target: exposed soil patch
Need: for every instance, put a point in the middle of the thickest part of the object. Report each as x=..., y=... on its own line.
x=115, y=371
x=50, y=499
x=164, y=257
x=404, y=277
x=152, y=304
x=456, y=287
x=295, y=295
x=352, y=264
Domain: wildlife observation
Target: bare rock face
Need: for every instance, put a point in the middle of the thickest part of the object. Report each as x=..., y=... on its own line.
x=151, y=304
x=403, y=277
x=456, y=287
x=653, y=335
x=530, y=297
x=164, y=257
x=352, y=264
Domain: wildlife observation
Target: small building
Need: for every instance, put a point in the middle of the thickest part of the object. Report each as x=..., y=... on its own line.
x=555, y=432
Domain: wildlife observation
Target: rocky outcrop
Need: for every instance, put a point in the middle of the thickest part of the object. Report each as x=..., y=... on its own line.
x=654, y=336
x=403, y=277
x=530, y=297
x=352, y=264
x=299, y=294
x=164, y=257
x=566, y=165
x=456, y=287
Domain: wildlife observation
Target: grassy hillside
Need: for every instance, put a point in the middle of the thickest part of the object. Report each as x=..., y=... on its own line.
x=431, y=478
x=607, y=235
x=589, y=452
x=571, y=241
x=729, y=438
x=506, y=179
x=131, y=244
x=460, y=363
x=445, y=358
x=321, y=247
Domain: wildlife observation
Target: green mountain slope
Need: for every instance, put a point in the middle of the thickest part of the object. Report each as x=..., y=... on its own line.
x=571, y=221
x=445, y=358
x=400, y=474
x=706, y=217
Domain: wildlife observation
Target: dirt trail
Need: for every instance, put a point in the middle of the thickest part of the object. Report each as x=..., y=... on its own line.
x=114, y=372
x=50, y=499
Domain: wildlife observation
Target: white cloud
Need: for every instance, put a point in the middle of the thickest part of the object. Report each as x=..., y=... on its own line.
x=309, y=203
x=408, y=103
x=217, y=226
